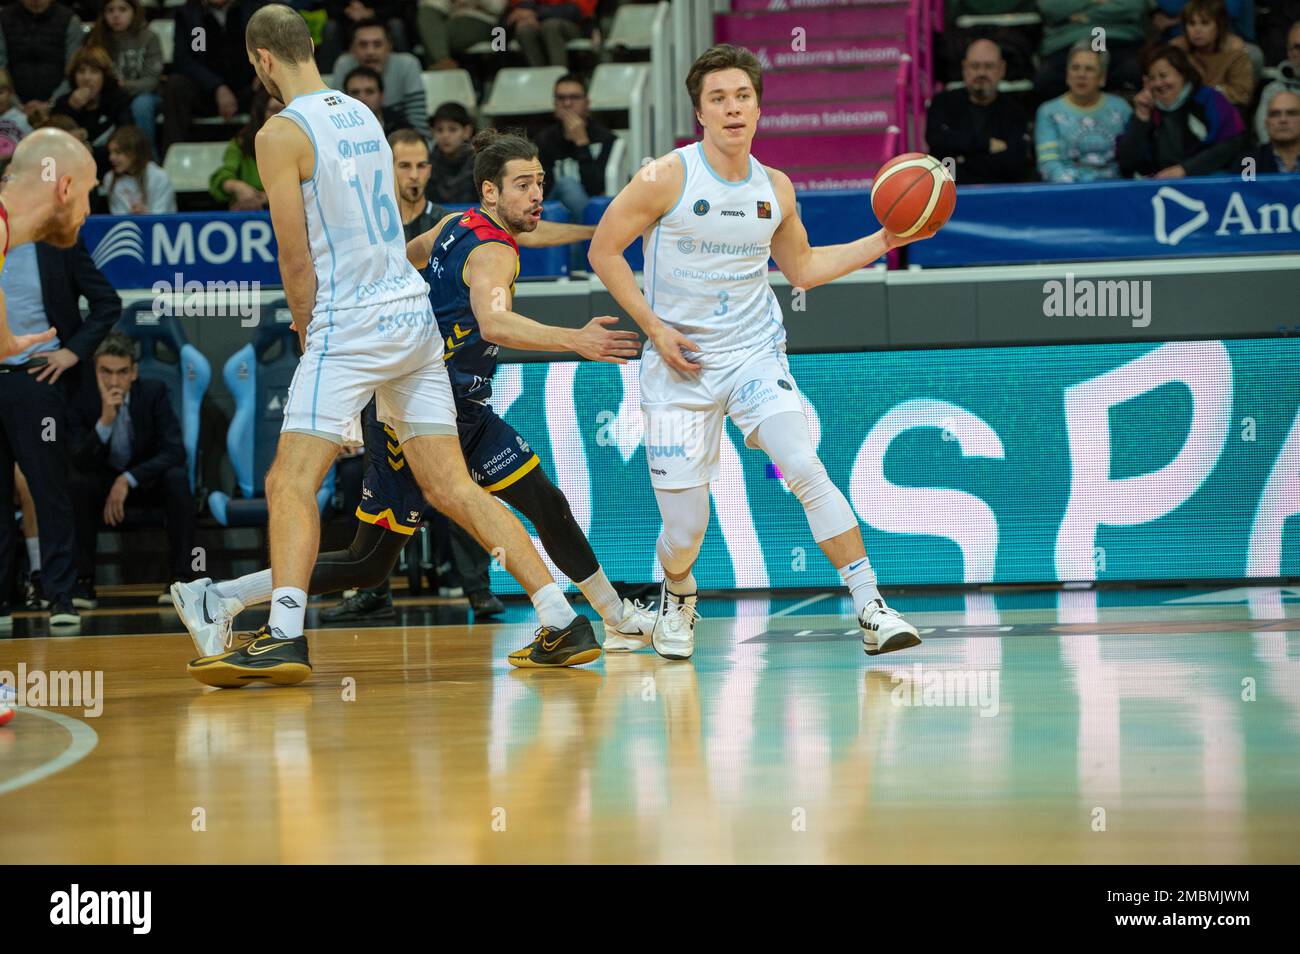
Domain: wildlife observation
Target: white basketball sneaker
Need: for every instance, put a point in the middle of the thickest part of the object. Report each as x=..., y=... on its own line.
x=884, y=630
x=673, y=636
x=633, y=630
x=206, y=614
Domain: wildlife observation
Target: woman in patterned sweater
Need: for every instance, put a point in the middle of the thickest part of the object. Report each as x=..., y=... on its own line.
x=1075, y=134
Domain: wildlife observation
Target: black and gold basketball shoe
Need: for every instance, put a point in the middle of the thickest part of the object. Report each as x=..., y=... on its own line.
x=572, y=646
x=282, y=662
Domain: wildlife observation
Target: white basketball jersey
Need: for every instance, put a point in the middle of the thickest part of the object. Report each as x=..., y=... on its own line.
x=353, y=224
x=706, y=259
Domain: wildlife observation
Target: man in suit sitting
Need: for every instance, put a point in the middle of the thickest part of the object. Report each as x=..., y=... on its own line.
x=126, y=445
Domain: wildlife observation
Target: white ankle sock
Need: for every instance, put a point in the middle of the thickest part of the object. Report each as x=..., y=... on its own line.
x=34, y=553
x=552, y=608
x=602, y=597
x=250, y=590
x=288, y=609
x=860, y=578
x=684, y=587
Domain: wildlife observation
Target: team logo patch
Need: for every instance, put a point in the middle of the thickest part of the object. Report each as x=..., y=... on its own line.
x=333, y=100
x=784, y=385
x=701, y=207
x=764, y=210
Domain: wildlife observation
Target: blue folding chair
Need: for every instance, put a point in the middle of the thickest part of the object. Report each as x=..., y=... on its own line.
x=166, y=355
x=258, y=376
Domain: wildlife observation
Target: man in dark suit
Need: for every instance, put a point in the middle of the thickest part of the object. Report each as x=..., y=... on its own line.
x=126, y=445
x=42, y=287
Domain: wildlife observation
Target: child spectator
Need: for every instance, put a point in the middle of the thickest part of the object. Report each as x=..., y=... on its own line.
x=13, y=121
x=452, y=179
x=96, y=102
x=122, y=31
x=135, y=184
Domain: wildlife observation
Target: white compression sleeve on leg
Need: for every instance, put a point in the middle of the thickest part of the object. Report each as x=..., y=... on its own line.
x=686, y=517
x=784, y=437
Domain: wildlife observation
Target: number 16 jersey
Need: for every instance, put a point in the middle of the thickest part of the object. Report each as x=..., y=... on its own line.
x=353, y=225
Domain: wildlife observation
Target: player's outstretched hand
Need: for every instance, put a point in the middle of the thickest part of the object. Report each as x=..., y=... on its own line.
x=670, y=343
x=11, y=344
x=596, y=341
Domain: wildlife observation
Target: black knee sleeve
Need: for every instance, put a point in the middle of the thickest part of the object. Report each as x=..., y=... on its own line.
x=367, y=561
x=541, y=502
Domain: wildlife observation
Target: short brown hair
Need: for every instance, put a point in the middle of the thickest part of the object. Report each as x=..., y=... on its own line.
x=493, y=148
x=724, y=56
x=282, y=32
x=116, y=345
x=406, y=137
x=1215, y=11
x=1175, y=57
x=95, y=56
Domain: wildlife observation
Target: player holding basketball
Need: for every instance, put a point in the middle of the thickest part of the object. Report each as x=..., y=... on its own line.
x=363, y=313
x=470, y=260
x=709, y=215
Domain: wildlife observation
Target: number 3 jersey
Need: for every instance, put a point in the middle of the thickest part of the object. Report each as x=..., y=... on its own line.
x=471, y=361
x=353, y=225
x=706, y=259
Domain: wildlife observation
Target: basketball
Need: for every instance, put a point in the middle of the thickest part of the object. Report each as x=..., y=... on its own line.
x=913, y=194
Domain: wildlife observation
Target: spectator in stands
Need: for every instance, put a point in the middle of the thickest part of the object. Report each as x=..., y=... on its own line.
x=1065, y=22
x=64, y=122
x=126, y=445
x=236, y=181
x=96, y=102
x=1281, y=151
x=42, y=286
x=136, y=53
x=37, y=39
x=1276, y=23
x=216, y=80
x=1218, y=54
x=365, y=84
x=1076, y=133
x=1179, y=127
x=545, y=27
x=1167, y=18
x=13, y=121
x=403, y=89
x=1017, y=43
x=411, y=170
x=986, y=134
x=1288, y=79
x=451, y=181
x=574, y=149
x=353, y=14
x=135, y=184
x=450, y=27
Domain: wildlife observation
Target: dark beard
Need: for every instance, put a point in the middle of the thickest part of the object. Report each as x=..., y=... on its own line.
x=518, y=224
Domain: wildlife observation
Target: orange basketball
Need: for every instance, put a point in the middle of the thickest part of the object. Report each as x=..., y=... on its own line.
x=913, y=195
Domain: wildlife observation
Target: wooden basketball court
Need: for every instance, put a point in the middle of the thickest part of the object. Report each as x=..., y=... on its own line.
x=1138, y=726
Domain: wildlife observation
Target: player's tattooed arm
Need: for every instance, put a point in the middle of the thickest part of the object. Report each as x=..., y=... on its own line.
x=489, y=272
x=650, y=195
x=548, y=234
x=807, y=266
x=285, y=158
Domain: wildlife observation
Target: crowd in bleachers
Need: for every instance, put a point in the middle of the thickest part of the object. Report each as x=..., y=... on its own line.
x=177, y=74
x=1117, y=89
x=167, y=85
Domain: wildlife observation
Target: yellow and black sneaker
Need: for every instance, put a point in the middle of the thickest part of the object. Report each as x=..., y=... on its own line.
x=282, y=662
x=572, y=646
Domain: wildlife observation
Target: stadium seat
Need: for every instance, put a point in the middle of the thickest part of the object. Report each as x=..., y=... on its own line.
x=258, y=377
x=633, y=25
x=191, y=164
x=612, y=84
x=166, y=30
x=617, y=172
x=522, y=91
x=442, y=86
x=166, y=355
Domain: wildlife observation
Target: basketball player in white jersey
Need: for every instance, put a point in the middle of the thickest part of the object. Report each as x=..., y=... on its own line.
x=709, y=216
x=363, y=314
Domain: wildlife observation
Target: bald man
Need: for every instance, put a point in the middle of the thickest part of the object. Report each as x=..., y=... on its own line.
x=45, y=198
x=986, y=135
